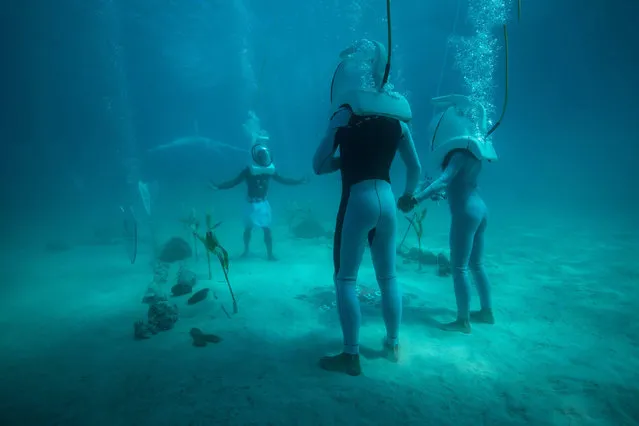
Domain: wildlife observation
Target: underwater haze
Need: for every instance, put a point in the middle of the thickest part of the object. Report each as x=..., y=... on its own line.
x=130, y=296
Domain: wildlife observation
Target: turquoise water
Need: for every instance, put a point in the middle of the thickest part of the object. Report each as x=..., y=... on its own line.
x=91, y=103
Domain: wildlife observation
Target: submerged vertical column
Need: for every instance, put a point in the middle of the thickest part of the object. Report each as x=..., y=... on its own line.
x=120, y=114
x=118, y=104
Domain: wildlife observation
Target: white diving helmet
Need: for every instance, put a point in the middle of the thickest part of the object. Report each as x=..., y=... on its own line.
x=358, y=83
x=462, y=125
x=262, y=160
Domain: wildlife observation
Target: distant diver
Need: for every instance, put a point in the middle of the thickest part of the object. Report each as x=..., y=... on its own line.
x=257, y=176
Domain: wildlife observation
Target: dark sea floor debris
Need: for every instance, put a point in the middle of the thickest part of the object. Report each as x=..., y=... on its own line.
x=428, y=258
x=175, y=250
x=310, y=228
x=198, y=296
x=200, y=339
x=161, y=316
x=186, y=280
x=181, y=289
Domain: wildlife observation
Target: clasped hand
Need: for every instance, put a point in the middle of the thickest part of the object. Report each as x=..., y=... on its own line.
x=406, y=203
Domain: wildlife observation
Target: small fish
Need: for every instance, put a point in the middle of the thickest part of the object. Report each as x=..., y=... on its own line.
x=198, y=296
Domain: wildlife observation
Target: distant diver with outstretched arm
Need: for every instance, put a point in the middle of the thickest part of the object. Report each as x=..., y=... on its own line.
x=368, y=127
x=257, y=176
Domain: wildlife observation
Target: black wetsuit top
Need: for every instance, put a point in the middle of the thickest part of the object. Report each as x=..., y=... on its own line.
x=367, y=148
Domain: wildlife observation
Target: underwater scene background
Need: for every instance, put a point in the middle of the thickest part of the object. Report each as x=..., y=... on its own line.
x=126, y=298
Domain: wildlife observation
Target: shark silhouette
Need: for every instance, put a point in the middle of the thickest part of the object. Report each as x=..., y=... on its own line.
x=197, y=141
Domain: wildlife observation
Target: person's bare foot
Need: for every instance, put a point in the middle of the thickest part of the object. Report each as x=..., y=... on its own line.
x=272, y=258
x=462, y=326
x=391, y=351
x=484, y=316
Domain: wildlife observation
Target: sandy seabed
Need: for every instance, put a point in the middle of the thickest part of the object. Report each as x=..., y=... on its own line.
x=564, y=350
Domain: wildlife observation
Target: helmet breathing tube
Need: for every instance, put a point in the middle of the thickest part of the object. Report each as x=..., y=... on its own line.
x=337, y=70
x=390, y=44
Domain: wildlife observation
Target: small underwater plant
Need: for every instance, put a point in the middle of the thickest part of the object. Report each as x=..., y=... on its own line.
x=212, y=241
x=212, y=245
x=416, y=223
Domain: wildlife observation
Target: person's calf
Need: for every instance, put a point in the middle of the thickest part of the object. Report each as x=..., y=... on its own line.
x=268, y=242
x=247, y=241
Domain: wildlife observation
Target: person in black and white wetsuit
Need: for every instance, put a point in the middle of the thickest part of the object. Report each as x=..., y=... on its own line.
x=368, y=127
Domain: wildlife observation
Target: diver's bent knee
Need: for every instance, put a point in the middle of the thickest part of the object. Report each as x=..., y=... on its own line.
x=460, y=271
